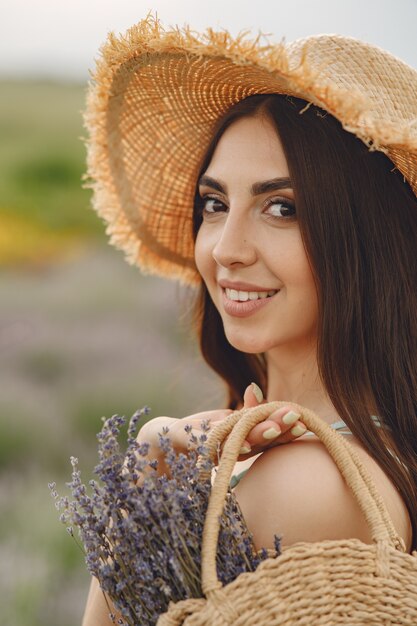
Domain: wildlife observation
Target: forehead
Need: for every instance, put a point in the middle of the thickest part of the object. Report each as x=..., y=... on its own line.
x=250, y=146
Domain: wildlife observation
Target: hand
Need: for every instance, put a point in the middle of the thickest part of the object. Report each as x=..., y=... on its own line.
x=255, y=441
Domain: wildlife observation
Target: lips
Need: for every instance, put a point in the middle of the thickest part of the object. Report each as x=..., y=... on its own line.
x=241, y=286
x=237, y=308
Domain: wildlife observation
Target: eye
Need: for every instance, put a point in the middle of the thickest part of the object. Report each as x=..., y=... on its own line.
x=280, y=208
x=211, y=204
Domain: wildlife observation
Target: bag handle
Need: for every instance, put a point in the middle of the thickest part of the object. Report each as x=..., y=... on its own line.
x=238, y=425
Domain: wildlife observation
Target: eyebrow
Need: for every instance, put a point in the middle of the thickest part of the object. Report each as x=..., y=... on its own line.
x=256, y=189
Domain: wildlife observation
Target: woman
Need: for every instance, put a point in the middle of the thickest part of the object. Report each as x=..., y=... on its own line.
x=303, y=247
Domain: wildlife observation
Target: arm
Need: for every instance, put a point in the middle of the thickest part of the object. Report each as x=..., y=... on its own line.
x=96, y=611
x=99, y=607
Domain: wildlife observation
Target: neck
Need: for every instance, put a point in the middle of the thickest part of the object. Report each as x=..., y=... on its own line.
x=293, y=377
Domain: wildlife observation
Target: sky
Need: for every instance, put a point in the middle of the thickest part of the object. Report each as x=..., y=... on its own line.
x=59, y=39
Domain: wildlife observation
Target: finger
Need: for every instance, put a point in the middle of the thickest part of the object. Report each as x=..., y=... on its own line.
x=274, y=430
x=277, y=432
x=253, y=396
x=245, y=450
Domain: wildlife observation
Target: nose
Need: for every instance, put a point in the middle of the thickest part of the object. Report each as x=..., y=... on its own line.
x=235, y=244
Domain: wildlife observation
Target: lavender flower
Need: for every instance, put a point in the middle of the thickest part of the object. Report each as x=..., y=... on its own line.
x=143, y=543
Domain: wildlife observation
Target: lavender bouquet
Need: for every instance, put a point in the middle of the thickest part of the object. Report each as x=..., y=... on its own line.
x=143, y=542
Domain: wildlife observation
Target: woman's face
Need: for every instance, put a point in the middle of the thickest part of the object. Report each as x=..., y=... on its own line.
x=249, y=250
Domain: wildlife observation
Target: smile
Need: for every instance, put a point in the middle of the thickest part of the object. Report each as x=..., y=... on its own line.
x=245, y=303
x=243, y=296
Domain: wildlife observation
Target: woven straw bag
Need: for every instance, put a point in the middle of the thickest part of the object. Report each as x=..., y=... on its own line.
x=326, y=583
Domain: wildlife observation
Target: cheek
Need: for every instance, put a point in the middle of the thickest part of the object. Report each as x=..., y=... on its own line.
x=307, y=292
x=290, y=263
x=304, y=282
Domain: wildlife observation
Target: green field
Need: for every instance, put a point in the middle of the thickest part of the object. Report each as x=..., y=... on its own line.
x=43, y=207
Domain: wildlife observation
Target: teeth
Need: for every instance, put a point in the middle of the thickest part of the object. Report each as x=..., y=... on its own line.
x=243, y=296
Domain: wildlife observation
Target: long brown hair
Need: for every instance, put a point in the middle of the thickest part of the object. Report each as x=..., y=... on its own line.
x=358, y=221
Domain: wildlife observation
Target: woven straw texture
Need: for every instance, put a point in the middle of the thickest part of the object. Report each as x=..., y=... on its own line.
x=157, y=94
x=326, y=583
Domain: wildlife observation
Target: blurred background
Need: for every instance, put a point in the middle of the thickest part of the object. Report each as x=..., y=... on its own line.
x=83, y=334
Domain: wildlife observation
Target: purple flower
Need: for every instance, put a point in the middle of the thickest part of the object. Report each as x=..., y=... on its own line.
x=143, y=543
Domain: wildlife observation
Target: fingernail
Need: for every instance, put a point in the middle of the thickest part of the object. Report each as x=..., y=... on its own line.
x=291, y=417
x=257, y=392
x=271, y=433
x=245, y=449
x=298, y=430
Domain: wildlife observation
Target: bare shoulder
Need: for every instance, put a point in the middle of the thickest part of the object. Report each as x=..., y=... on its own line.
x=297, y=491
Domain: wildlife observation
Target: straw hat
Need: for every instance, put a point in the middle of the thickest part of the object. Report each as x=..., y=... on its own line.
x=157, y=94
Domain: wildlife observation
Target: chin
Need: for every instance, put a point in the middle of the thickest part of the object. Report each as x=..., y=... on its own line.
x=249, y=345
